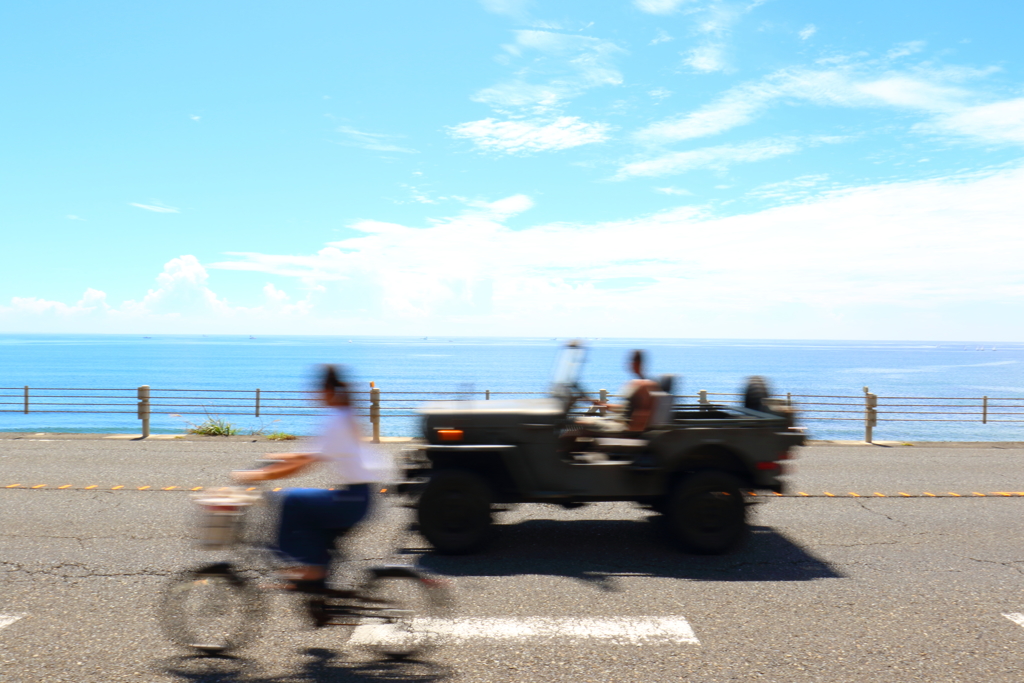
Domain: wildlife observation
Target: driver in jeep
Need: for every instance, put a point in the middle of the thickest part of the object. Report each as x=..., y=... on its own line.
x=629, y=419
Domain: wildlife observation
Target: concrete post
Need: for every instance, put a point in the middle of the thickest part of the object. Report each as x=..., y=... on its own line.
x=702, y=397
x=144, y=409
x=257, y=403
x=870, y=415
x=26, y=399
x=375, y=412
x=602, y=396
x=487, y=395
x=789, y=399
x=984, y=410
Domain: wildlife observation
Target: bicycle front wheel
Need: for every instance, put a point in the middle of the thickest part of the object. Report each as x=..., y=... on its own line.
x=211, y=609
x=402, y=612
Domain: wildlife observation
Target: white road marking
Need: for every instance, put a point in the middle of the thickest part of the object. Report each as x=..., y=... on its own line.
x=619, y=630
x=1015, y=617
x=8, y=619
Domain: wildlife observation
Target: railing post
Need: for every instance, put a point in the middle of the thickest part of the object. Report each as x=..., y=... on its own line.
x=870, y=414
x=984, y=410
x=257, y=403
x=487, y=395
x=26, y=399
x=602, y=396
x=789, y=398
x=144, y=409
x=702, y=397
x=375, y=412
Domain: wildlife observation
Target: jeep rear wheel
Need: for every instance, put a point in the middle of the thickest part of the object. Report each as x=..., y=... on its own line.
x=706, y=513
x=454, y=511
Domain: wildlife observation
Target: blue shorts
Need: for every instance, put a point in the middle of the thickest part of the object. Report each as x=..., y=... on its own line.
x=312, y=519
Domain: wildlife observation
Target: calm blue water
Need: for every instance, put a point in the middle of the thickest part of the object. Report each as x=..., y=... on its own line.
x=499, y=364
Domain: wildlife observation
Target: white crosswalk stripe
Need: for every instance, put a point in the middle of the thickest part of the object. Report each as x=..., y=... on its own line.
x=1015, y=617
x=618, y=630
x=8, y=619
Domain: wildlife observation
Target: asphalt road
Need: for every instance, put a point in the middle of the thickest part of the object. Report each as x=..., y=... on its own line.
x=902, y=581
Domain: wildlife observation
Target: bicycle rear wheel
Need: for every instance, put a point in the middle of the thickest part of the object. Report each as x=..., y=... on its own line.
x=211, y=609
x=402, y=612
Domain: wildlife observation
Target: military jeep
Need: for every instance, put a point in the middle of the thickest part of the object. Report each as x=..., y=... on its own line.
x=693, y=464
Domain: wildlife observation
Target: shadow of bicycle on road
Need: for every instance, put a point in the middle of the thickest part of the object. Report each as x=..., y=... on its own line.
x=595, y=551
x=320, y=666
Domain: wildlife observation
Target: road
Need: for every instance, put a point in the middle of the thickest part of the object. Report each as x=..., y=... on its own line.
x=899, y=564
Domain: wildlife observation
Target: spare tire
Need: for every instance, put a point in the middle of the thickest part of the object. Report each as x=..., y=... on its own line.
x=755, y=394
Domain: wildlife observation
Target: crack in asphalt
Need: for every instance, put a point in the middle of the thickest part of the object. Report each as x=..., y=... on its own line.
x=1011, y=564
x=882, y=514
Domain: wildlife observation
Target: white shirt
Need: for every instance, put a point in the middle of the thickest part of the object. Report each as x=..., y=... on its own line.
x=342, y=447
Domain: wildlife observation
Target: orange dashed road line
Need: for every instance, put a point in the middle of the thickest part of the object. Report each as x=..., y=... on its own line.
x=829, y=494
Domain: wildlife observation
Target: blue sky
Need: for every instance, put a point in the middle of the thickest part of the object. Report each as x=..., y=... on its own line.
x=676, y=168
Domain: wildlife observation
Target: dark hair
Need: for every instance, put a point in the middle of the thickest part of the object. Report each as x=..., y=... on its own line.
x=637, y=357
x=333, y=381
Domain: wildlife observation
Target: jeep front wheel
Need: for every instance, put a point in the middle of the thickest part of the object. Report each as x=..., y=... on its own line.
x=706, y=513
x=454, y=511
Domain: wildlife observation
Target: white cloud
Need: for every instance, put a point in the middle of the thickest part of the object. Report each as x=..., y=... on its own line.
x=566, y=65
x=511, y=8
x=156, y=207
x=880, y=261
x=928, y=91
x=674, y=191
x=181, y=290
x=807, y=31
x=528, y=136
x=661, y=37
x=659, y=6
x=719, y=157
x=884, y=245
x=706, y=58
x=378, y=142
x=999, y=122
x=660, y=93
x=905, y=49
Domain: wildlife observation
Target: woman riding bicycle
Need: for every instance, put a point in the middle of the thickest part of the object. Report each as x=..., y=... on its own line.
x=312, y=519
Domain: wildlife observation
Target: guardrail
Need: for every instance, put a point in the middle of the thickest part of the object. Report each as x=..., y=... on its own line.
x=377, y=404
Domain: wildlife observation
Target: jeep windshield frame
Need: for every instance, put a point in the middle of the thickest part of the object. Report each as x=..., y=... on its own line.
x=565, y=385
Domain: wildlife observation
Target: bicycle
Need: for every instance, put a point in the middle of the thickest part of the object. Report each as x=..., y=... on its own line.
x=219, y=607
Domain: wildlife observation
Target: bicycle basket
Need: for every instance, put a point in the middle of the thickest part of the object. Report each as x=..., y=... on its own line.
x=220, y=517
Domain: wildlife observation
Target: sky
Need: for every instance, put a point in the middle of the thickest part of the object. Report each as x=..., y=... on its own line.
x=638, y=168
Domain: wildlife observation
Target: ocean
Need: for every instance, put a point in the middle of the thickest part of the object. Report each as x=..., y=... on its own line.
x=466, y=365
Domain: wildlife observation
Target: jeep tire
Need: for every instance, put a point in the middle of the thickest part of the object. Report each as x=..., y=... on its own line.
x=454, y=511
x=706, y=514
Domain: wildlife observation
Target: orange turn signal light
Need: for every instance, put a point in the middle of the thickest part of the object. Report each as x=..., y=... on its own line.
x=449, y=434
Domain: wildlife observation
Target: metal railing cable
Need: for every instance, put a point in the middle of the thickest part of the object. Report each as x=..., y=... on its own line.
x=380, y=405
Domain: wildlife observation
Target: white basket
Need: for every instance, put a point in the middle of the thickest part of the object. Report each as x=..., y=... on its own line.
x=220, y=517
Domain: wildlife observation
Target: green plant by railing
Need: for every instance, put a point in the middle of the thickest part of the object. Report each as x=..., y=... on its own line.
x=213, y=426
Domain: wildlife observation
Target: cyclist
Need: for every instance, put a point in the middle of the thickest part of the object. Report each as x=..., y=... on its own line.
x=312, y=519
